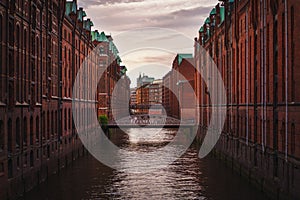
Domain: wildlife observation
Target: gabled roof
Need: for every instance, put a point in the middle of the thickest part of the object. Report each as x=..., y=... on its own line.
x=201, y=29
x=213, y=11
x=207, y=21
x=183, y=56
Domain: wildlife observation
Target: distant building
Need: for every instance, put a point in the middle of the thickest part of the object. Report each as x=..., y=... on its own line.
x=176, y=89
x=142, y=98
x=133, y=100
x=143, y=80
x=155, y=92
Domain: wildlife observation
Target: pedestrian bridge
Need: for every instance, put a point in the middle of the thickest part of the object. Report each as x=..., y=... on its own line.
x=150, y=121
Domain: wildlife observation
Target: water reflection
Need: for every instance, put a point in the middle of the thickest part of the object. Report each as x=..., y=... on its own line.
x=186, y=178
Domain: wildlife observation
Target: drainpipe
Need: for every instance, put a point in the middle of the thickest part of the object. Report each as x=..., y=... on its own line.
x=247, y=80
x=265, y=73
x=286, y=79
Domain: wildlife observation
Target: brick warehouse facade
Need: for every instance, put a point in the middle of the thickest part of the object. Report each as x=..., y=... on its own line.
x=255, y=47
x=43, y=44
x=184, y=65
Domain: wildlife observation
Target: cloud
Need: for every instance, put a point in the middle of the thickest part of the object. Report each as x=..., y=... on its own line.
x=117, y=16
x=120, y=15
x=89, y=3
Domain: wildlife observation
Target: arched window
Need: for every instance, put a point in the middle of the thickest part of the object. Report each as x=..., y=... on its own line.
x=31, y=131
x=52, y=123
x=31, y=159
x=1, y=46
x=18, y=37
x=10, y=168
x=9, y=136
x=18, y=128
x=11, y=36
x=65, y=116
x=55, y=121
x=1, y=136
x=23, y=75
x=268, y=134
x=282, y=133
x=44, y=125
x=18, y=79
x=11, y=64
x=37, y=70
x=293, y=139
x=48, y=125
x=69, y=119
x=25, y=132
x=48, y=151
x=37, y=129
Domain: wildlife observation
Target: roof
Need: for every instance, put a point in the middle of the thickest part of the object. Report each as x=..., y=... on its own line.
x=81, y=14
x=207, y=21
x=183, y=56
x=71, y=7
x=213, y=11
x=222, y=14
x=100, y=37
x=201, y=29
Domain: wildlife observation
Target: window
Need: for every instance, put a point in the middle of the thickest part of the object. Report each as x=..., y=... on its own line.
x=70, y=121
x=18, y=133
x=293, y=53
x=37, y=129
x=10, y=169
x=52, y=123
x=268, y=134
x=25, y=132
x=18, y=37
x=1, y=37
x=293, y=139
x=11, y=36
x=24, y=91
x=31, y=159
x=283, y=56
x=33, y=17
x=48, y=125
x=1, y=136
x=9, y=135
x=31, y=131
x=65, y=116
x=43, y=125
x=282, y=133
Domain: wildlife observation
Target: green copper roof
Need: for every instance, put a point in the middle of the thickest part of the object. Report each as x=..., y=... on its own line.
x=201, y=29
x=87, y=24
x=123, y=70
x=183, y=56
x=222, y=14
x=100, y=37
x=68, y=7
x=119, y=60
x=207, y=21
x=81, y=14
x=213, y=11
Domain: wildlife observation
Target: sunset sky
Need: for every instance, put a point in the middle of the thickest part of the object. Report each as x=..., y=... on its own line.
x=128, y=18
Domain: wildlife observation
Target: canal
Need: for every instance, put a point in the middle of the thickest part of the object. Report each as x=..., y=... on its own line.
x=187, y=178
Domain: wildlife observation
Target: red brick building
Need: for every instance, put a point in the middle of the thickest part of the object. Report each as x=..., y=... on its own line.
x=43, y=44
x=110, y=63
x=142, y=99
x=254, y=45
x=178, y=80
